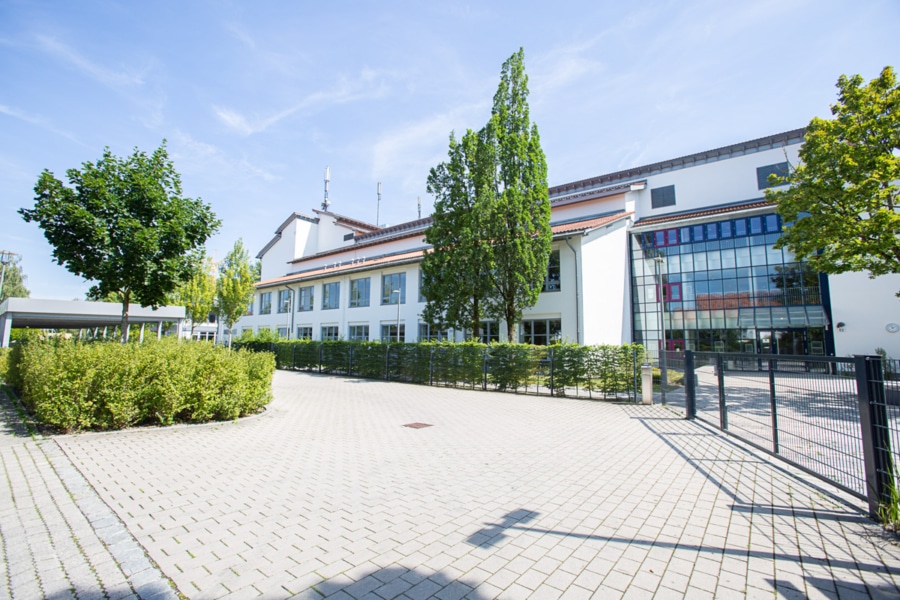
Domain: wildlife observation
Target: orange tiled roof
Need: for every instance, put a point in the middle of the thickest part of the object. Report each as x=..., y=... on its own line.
x=341, y=267
x=702, y=213
x=589, y=223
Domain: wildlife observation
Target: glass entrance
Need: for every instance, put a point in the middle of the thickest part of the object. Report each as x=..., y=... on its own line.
x=782, y=341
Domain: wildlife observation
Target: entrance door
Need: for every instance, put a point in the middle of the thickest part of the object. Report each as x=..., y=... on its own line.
x=766, y=342
x=782, y=341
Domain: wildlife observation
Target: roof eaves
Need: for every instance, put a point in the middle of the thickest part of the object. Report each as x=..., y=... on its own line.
x=754, y=206
x=756, y=145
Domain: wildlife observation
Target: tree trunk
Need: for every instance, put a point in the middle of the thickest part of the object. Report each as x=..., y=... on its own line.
x=510, y=324
x=126, y=299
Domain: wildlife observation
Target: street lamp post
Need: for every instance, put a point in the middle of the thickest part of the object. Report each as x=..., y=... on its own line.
x=397, y=291
x=663, y=372
x=6, y=257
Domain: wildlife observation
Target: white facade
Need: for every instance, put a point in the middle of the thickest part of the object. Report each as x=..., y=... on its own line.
x=598, y=225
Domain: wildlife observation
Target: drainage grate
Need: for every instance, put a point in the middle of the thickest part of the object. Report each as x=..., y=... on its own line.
x=417, y=425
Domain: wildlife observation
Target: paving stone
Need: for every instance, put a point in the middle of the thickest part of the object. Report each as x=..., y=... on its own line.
x=505, y=496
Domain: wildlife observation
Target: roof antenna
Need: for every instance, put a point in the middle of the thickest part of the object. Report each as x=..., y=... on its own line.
x=419, y=198
x=326, y=203
x=378, y=207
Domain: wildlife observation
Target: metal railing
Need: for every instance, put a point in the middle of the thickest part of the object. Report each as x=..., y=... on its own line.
x=835, y=418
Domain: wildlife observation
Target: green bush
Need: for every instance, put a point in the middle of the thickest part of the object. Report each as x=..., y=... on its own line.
x=4, y=353
x=608, y=370
x=107, y=385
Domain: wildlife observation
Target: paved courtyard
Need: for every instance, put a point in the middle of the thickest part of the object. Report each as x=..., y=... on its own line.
x=327, y=494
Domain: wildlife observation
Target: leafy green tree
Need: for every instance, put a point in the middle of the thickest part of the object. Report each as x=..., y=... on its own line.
x=235, y=286
x=842, y=202
x=198, y=294
x=491, y=229
x=124, y=224
x=13, y=280
x=453, y=280
x=518, y=224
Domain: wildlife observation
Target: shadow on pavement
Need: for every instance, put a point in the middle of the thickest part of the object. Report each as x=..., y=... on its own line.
x=392, y=582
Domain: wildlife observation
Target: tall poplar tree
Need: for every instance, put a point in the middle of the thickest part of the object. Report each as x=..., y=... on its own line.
x=235, y=286
x=491, y=230
x=518, y=226
x=453, y=280
x=198, y=294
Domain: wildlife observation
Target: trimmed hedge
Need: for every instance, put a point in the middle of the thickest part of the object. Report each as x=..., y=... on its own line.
x=4, y=354
x=107, y=385
x=559, y=369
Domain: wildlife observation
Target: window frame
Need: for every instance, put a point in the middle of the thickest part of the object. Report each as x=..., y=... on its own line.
x=387, y=295
x=331, y=292
x=356, y=297
x=301, y=296
x=265, y=303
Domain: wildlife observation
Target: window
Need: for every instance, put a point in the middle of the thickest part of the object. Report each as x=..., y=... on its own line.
x=359, y=292
x=756, y=225
x=389, y=286
x=305, y=298
x=282, y=332
x=389, y=332
x=712, y=231
x=740, y=228
x=304, y=333
x=421, y=276
x=331, y=295
x=665, y=237
x=490, y=332
x=284, y=301
x=249, y=309
x=265, y=303
x=662, y=196
x=551, y=282
x=762, y=174
x=542, y=332
x=427, y=333
x=358, y=333
x=330, y=333
x=772, y=224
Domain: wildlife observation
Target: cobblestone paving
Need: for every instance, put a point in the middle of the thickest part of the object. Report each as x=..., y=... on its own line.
x=328, y=495
x=58, y=539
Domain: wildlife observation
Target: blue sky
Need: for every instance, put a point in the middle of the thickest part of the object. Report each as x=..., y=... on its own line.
x=256, y=99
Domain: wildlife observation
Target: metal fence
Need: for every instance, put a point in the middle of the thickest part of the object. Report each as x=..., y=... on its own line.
x=592, y=372
x=836, y=418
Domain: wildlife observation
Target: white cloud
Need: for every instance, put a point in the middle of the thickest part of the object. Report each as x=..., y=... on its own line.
x=368, y=85
x=39, y=121
x=208, y=158
x=417, y=146
x=109, y=77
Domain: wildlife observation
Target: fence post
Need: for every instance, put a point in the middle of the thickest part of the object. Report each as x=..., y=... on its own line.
x=320, y=357
x=690, y=386
x=873, y=420
x=723, y=409
x=293, y=356
x=387, y=361
x=484, y=370
x=350, y=361
x=773, y=406
x=431, y=366
x=552, y=393
x=634, y=374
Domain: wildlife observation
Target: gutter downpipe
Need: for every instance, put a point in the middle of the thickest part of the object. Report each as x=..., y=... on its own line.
x=577, y=296
x=293, y=299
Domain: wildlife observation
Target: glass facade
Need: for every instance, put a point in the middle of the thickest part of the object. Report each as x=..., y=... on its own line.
x=722, y=286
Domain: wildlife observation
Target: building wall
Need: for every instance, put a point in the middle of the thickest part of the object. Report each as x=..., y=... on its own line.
x=714, y=183
x=606, y=315
x=866, y=306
